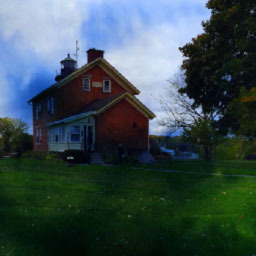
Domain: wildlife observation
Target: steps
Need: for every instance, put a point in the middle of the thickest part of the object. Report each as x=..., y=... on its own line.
x=97, y=159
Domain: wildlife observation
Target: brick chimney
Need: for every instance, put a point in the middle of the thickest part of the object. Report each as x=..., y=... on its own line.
x=93, y=54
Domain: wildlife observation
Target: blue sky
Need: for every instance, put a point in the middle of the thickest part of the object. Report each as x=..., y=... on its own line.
x=140, y=38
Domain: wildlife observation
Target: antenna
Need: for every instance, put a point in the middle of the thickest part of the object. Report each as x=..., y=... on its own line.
x=76, y=54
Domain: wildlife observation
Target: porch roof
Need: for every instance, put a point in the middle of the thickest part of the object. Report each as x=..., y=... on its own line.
x=98, y=106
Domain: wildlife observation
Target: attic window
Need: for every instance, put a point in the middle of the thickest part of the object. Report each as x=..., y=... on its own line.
x=86, y=84
x=106, y=86
x=134, y=125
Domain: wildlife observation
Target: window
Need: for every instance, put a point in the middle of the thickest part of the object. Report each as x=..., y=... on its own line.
x=50, y=105
x=75, y=133
x=38, y=135
x=134, y=125
x=62, y=133
x=106, y=86
x=56, y=134
x=86, y=84
x=38, y=111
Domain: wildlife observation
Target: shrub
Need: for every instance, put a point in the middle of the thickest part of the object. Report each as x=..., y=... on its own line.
x=129, y=159
x=41, y=155
x=154, y=146
x=111, y=159
x=22, y=143
x=234, y=149
x=80, y=156
x=1, y=153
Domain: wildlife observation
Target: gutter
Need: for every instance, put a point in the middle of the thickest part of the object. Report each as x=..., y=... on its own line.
x=72, y=118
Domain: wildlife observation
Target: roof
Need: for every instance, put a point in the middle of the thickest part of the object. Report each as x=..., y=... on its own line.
x=98, y=106
x=101, y=62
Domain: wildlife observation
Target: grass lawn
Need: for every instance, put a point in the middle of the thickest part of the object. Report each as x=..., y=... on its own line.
x=49, y=209
x=221, y=167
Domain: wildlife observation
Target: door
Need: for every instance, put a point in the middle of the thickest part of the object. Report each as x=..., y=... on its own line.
x=85, y=138
x=88, y=138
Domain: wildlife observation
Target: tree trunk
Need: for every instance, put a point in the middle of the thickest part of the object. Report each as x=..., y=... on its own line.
x=207, y=153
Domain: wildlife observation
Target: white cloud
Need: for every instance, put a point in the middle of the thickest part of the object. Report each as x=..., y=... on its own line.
x=6, y=89
x=44, y=28
x=151, y=57
x=40, y=32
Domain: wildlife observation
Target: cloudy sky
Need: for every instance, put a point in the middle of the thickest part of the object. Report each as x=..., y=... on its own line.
x=140, y=38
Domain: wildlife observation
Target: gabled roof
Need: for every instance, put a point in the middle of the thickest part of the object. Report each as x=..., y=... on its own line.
x=101, y=62
x=98, y=106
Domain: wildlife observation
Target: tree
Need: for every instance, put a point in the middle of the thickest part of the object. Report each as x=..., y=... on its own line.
x=198, y=124
x=243, y=108
x=10, y=129
x=221, y=60
x=22, y=142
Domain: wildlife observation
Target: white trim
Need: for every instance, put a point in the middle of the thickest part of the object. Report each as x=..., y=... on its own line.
x=104, y=90
x=39, y=136
x=70, y=133
x=72, y=118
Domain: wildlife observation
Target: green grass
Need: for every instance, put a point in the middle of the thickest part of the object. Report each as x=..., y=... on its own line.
x=222, y=167
x=49, y=209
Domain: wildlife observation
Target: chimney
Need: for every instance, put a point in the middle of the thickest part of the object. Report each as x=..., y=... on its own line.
x=93, y=54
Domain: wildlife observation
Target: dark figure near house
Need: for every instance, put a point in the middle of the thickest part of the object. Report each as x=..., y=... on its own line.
x=120, y=152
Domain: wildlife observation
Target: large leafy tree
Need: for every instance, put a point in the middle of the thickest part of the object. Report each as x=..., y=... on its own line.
x=220, y=61
x=243, y=108
x=10, y=130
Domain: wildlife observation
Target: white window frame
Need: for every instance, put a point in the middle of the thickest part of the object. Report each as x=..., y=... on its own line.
x=38, y=111
x=88, y=88
x=38, y=135
x=62, y=133
x=71, y=132
x=48, y=105
x=104, y=88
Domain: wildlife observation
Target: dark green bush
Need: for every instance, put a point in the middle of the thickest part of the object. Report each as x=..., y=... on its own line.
x=79, y=156
x=41, y=155
x=129, y=159
x=1, y=153
x=22, y=143
x=154, y=147
x=234, y=149
x=111, y=159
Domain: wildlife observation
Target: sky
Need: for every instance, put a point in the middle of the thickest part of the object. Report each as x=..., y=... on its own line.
x=140, y=39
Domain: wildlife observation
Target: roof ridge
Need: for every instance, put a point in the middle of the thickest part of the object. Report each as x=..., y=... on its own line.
x=77, y=72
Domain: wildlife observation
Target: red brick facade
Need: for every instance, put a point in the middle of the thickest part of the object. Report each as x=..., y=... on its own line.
x=122, y=123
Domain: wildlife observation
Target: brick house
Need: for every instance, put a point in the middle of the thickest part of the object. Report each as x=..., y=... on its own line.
x=90, y=108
